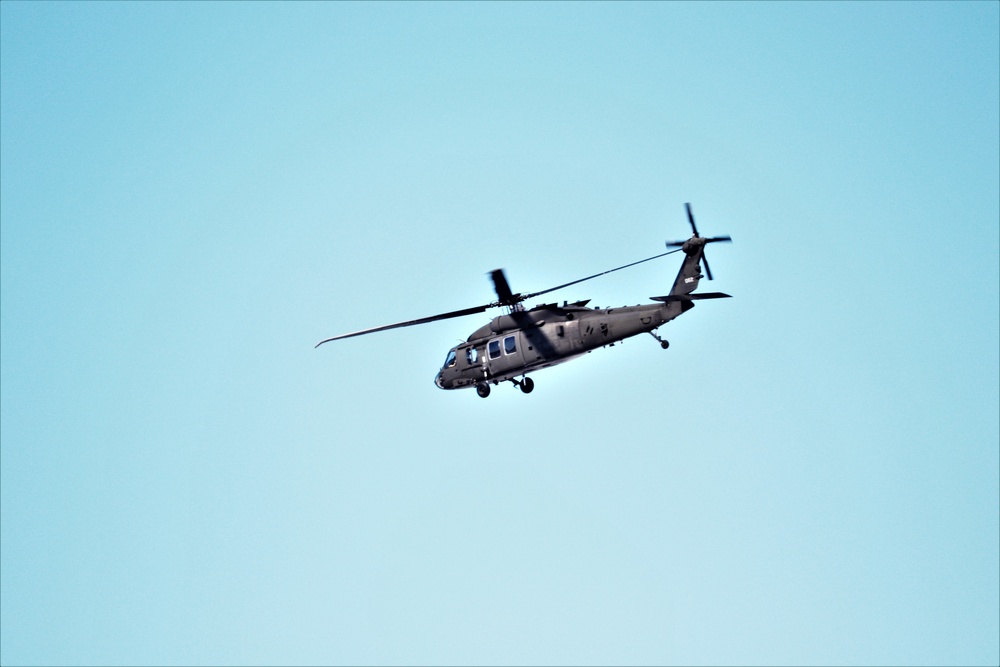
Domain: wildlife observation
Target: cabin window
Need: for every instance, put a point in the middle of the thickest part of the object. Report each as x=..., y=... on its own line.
x=450, y=361
x=510, y=344
x=494, y=349
x=472, y=356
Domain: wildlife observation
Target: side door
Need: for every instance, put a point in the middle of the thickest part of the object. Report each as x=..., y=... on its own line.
x=475, y=361
x=504, y=353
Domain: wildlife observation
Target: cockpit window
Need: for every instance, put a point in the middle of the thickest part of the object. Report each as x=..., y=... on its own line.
x=450, y=361
x=472, y=356
x=494, y=349
x=510, y=344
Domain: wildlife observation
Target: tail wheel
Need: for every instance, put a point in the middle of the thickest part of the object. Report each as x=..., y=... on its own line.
x=664, y=344
x=527, y=384
x=483, y=390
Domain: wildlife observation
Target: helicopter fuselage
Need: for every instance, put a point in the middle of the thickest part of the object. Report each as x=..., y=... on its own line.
x=521, y=342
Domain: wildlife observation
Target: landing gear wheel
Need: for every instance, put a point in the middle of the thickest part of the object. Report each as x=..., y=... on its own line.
x=664, y=344
x=527, y=384
x=483, y=390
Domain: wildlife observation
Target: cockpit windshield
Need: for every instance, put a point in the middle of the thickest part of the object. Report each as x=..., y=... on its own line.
x=450, y=361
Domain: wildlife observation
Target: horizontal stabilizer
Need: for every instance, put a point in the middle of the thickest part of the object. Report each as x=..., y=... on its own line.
x=691, y=297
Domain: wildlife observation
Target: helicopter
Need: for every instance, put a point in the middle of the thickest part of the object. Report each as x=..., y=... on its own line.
x=523, y=341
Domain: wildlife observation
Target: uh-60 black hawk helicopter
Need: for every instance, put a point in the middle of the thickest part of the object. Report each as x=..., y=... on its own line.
x=523, y=341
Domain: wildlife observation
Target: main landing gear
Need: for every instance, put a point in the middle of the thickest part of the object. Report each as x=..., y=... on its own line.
x=526, y=385
x=664, y=344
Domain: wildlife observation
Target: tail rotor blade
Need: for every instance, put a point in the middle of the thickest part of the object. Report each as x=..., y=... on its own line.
x=711, y=239
x=708, y=271
x=691, y=218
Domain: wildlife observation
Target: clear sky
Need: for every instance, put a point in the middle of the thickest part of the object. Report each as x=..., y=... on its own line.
x=194, y=194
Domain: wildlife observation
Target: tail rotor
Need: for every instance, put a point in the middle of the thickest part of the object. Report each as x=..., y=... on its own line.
x=697, y=242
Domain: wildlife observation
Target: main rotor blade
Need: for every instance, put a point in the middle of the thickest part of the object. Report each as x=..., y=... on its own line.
x=596, y=275
x=410, y=323
x=691, y=218
x=502, y=287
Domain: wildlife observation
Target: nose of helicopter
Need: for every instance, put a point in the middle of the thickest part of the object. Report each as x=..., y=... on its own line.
x=438, y=381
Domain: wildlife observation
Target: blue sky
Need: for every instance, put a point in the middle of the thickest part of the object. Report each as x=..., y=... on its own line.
x=192, y=195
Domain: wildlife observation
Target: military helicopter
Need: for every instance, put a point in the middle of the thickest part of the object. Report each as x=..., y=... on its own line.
x=524, y=341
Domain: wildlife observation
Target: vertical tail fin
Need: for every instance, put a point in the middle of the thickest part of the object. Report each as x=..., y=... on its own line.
x=694, y=251
x=690, y=273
